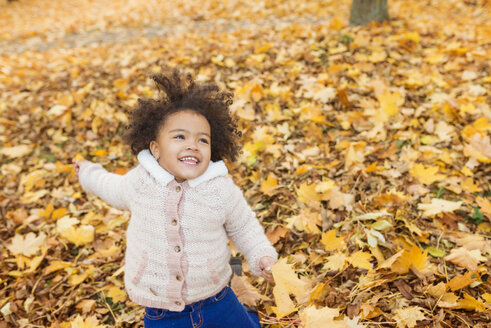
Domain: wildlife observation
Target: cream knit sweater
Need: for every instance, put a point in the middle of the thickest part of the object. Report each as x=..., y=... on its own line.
x=176, y=247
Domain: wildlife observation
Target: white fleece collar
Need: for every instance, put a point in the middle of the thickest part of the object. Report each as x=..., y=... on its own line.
x=149, y=163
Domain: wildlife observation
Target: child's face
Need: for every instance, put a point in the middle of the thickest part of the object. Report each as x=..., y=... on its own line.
x=183, y=145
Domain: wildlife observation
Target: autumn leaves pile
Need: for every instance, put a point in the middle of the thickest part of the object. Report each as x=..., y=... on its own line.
x=366, y=157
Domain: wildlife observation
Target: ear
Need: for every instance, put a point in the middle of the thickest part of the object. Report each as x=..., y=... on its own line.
x=154, y=149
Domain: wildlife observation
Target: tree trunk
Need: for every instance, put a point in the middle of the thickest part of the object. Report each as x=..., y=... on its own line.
x=365, y=11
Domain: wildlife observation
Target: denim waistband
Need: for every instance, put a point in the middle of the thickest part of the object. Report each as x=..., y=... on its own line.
x=212, y=299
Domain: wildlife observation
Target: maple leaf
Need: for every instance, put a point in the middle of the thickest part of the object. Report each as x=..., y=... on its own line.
x=426, y=175
x=331, y=242
x=319, y=318
x=415, y=258
x=459, y=282
x=438, y=206
x=16, y=151
x=389, y=102
x=78, y=235
x=28, y=244
x=465, y=258
x=89, y=322
x=408, y=317
x=360, y=259
x=117, y=294
x=308, y=192
x=286, y=282
x=335, y=262
x=268, y=185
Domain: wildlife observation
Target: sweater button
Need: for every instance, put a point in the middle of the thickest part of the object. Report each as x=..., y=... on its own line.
x=174, y=222
x=178, y=277
x=177, y=249
x=178, y=188
x=178, y=303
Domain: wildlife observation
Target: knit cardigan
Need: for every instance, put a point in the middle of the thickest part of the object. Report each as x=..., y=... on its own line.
x=176, y=241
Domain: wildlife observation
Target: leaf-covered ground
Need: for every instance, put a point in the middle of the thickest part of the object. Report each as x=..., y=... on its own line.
x=366, y=154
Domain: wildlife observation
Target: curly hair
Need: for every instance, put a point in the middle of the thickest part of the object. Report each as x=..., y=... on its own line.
x=181, y=92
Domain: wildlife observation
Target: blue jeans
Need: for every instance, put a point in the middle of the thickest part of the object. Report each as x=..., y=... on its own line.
x=222, y=310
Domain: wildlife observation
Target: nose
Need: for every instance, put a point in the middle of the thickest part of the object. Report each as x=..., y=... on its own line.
x=191, y=146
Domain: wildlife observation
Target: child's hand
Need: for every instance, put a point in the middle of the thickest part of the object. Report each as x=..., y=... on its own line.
x=77, y=164
x=266, y=263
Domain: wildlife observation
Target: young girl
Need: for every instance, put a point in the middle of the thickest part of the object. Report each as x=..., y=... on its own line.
x=183, y=207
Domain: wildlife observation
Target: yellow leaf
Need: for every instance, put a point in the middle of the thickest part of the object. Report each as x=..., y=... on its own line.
x=56, y=265
x=414, y=258
x=307, y=192
x=100, y=152
x=485, y=206
x=117, y=294
x=274, y=113
x=246, y=293
x=335, y=262
x=318, y=293
x=256, y=92
x=121, y=84
x=90, y=322
x=360, y=259
x=111, y=251
x=286, y=282
x=46, y=214
x=309, y=220
x=470, y=186
x=373, y=168
x=283, y=273
x=16, y=151
x=459, y=282
x=28, y=244
x=58, y=213
x=336, y=23
x=389, y=102
x=268, y=185
x=408, y=316
x=320, y=318
x=36, y=261
x=377, y=56
x=325, y=186
x=331, y=242
x=437, y=290
x=85, y=306
x=479, y=148
x=426, y=175
x=413, y=36
x=438, y=206
x=470, y=303
x=463, y=258
x=33, y=196
x=429, y=140
x=75, y=279
x=285, y=305
x=77, y=235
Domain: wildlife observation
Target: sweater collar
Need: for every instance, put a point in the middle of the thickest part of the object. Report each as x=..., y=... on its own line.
x=149, y=163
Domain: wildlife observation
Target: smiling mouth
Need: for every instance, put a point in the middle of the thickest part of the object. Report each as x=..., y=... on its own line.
x=190, y=160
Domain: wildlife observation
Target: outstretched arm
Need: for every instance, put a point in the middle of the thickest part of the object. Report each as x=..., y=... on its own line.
x=110, y=187
x=245, y=231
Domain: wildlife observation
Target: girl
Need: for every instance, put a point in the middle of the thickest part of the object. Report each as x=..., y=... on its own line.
x=183, y=207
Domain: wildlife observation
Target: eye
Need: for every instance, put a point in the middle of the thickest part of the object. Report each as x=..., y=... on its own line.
x=180, y=136
x=204, y=140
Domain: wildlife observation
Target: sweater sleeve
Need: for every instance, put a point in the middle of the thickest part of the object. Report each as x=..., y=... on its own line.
x=110, y=187
x=245, y=230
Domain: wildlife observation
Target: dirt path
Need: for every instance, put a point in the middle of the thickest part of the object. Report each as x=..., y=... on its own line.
x=124, y=34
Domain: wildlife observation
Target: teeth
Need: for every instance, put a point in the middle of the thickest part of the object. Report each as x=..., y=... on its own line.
x=189, y=159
